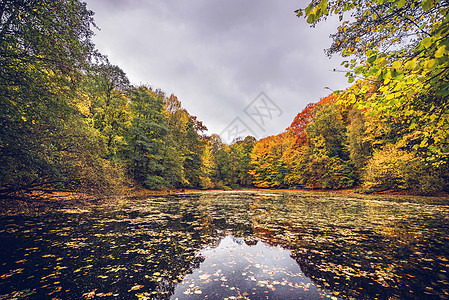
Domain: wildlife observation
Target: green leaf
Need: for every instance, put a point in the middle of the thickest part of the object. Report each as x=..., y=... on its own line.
x=441, y=51
x=381, y=62
x=308, y=9
x=428, y=4
x=359, y=70
x=430, y=64
x=311, y=18
x=443, y=91
x=401, y=3
x=397, y=65
x=371, y=59
x=323, y=5
x=426, y=42
x=410, y=64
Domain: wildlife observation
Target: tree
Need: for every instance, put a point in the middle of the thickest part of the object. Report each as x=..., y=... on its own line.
x=207, y=167
x=402, y=48
x=248, y=146
x=145, y=138
x=193, y=151
x=393, y=168
x=177, y=118
x=379, y=24
x=329, y=165
x=189, y=152
x=221, y=174
x=302, y=119
x=240, y=162
x=360, y=148
x=268, y=166
x=108, y=105
x=44, y=50
x=327, y=126
x=55, y=35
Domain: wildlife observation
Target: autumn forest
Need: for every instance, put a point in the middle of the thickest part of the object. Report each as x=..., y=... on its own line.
x=71, y=121
x=114, y=190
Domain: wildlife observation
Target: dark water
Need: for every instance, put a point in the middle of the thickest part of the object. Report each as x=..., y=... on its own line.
x=245, y=245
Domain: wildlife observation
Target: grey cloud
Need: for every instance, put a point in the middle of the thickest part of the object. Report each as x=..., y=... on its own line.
x=217, y=56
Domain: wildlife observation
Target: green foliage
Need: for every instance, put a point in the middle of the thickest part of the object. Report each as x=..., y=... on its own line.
x=327, y=173
x=67, y=123
x=43, y=52
x=193, y=150
x=108, y=106
x=221, y=172
x=231, y=163
x=400, y=51
x=54, y=34
x=207, y=168
x=327, y=134
x=189, y=159
x=359, y=147
x=392, y=168
x=240, y=162
x=145, y=138
x=329, y=165
x=401, y=48
x=365, y=135
x=297, y=160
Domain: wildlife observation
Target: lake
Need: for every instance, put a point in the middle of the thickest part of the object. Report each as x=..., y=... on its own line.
x=231, y=245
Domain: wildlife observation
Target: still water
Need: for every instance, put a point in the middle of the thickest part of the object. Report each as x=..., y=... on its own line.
x=231, y=245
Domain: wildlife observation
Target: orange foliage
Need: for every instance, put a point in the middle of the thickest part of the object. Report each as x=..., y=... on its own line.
x=268, y=164
x=299, y=124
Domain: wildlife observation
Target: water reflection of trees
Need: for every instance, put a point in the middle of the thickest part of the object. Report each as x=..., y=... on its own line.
x=356, y=248
x=361, y=249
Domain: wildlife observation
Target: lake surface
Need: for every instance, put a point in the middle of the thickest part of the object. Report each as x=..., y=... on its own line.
x=231, y=245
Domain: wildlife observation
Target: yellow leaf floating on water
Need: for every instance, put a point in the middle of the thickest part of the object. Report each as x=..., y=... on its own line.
x=136, y=287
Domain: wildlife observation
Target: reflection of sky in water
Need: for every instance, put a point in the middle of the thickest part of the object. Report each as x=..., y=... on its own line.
x=357, y=248
x=235, y=269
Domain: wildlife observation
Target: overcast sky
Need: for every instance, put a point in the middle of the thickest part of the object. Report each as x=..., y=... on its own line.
x=218, y=57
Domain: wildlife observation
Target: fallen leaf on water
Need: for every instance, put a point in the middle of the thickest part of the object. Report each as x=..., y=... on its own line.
x=136, y=287
x=204, y=276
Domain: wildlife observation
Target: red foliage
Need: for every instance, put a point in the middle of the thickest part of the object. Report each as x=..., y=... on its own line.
x=299, y=124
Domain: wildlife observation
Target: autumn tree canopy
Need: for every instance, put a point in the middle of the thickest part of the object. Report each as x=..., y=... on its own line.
x=70, y=120
x=402, y=49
